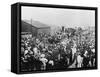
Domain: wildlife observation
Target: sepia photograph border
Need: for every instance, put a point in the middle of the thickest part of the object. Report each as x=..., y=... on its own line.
x=18, y=33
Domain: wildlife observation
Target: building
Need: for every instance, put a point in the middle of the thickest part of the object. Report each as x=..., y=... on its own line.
x=26, y=27
x=35, y=27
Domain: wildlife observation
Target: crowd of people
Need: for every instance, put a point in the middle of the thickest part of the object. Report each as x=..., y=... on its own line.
x=55, y=52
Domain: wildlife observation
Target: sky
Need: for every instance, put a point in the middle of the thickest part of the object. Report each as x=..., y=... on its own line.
x=59, y=17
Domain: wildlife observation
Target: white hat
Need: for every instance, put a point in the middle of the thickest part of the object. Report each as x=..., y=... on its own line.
x=93, y=50
x=26, y=51
x=51, y=62
x=42, y=55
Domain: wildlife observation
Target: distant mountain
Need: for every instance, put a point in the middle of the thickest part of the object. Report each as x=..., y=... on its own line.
x=37, y=24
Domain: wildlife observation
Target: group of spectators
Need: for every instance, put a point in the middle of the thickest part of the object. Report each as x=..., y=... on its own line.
x=48, y=52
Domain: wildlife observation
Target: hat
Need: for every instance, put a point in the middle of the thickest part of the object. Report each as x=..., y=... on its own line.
x=42, y=55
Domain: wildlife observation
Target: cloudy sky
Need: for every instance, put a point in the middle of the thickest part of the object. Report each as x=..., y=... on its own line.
x=63, y=17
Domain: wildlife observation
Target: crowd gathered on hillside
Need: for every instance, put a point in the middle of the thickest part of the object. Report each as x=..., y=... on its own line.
x=62, y=50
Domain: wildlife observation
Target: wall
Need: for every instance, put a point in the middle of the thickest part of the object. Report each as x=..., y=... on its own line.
x=28, y=28
x=44, y=30
x=5, y=36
